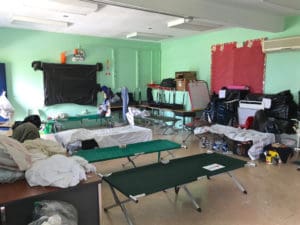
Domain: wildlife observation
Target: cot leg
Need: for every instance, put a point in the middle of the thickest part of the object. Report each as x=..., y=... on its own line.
x=172, y=155
x=187, y=137
x=116, y=204
x=130, y=160
x=165, y=130
x=192, y=198
x=177, y=188
x=119, y=203
x=148, y=123
x=167, y=127
x=237, y=183
x=169, y=153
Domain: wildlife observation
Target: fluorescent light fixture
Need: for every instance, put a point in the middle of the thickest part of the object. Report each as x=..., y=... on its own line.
x=147, y=36
x=37, y=22
x=64, y=6
x=287, y=4
x=190, y=23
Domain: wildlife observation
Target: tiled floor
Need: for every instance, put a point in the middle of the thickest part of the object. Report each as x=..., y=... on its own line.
x=273, y=196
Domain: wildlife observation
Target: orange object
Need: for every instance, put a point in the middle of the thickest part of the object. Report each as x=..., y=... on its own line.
x=63, y=58
x=76, y=51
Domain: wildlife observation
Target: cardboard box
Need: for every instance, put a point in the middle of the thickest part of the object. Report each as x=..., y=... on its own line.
x=182, y=84
x=189, y=75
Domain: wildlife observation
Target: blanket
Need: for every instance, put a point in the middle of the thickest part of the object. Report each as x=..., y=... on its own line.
x=259, y=139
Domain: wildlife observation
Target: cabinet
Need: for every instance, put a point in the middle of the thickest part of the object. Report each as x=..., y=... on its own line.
x=17, y=201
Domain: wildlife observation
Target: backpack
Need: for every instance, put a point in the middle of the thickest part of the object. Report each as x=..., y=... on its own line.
x=169, y=82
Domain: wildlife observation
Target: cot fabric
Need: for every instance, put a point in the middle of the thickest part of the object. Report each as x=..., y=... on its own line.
x=95, y=155
x=157, y=177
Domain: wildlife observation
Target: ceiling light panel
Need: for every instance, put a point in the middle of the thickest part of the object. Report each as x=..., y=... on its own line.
x=38, y=22
x=64, y=6
x=147, y=36
x=287, y=4
x=192, y=24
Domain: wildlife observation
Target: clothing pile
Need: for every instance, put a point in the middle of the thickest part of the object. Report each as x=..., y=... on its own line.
x=34, y=159
x=14, y=160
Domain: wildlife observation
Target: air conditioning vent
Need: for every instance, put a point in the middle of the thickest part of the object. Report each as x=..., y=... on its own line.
x=289, y=43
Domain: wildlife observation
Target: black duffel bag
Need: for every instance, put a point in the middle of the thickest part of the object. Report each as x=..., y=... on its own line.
x=168, y=82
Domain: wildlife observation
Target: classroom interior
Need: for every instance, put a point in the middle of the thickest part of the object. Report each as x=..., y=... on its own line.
x=272, y=188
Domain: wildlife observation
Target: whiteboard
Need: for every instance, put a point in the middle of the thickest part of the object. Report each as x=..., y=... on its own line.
x=199, y=94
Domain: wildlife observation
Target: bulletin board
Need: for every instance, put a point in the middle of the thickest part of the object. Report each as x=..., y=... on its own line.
x=243, y=66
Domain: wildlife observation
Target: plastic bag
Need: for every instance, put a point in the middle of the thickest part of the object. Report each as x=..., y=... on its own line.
x=54, y=213
x=10, y=176
x=6, y=109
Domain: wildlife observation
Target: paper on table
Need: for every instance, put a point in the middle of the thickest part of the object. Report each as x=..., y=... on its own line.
x=213, y=167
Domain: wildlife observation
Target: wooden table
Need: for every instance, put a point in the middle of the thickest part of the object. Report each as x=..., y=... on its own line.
x=17, y=200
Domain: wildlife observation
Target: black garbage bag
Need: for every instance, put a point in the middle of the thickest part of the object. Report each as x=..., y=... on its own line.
x=168, y=82
x=283, y=105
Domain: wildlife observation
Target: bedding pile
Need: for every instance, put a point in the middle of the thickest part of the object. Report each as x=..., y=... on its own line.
x=259, y=139
x=14, y=160
x=71, y=139
x=41, y=162
x=67, y=172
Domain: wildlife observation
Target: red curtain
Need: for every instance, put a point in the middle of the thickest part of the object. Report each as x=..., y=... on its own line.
x=238, y=66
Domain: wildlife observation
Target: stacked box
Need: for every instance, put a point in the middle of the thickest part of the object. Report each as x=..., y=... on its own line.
x=183, y=78
x=182, y=84
x=189, y=75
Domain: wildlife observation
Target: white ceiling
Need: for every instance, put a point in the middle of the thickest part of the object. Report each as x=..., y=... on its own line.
x=118, y=18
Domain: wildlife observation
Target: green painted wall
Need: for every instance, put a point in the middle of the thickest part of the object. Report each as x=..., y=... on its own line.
x=194, y=53
x=129, y=60
x=133, y=63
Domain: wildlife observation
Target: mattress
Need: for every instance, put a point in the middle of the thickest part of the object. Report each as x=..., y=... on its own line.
x=259, y=139
x=71, y=139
